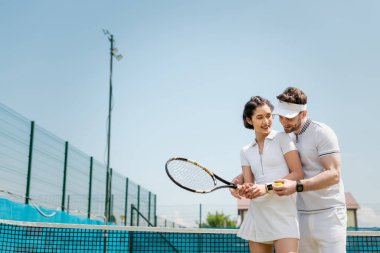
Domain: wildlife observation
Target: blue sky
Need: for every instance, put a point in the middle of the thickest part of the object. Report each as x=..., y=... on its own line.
x=188, y=69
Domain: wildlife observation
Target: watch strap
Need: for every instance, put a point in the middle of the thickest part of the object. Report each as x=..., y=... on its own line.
x=269, y=188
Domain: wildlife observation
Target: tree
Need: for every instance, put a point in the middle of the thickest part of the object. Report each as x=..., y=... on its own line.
x=218, y=220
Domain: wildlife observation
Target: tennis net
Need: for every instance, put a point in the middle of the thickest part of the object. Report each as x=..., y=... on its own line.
x=51, y=237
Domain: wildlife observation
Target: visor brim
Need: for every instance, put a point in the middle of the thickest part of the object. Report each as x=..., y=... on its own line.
x=285, y=113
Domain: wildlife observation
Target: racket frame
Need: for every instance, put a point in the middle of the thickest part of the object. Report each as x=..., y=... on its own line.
x=208, y=171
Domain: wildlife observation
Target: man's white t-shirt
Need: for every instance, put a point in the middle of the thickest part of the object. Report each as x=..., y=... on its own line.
x=314, y=141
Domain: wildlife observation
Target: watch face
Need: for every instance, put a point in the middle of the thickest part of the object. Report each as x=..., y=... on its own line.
x=299, y=188
x=269, y=187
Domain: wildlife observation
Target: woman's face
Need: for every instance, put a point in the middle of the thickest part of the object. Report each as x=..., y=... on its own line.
x=261, y=119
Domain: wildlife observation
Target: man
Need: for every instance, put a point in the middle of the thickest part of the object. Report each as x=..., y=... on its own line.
x=320, y=196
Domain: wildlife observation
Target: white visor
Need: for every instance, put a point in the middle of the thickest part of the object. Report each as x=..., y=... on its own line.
x=288, y=110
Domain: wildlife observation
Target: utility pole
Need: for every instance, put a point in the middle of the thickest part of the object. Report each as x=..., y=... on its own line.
x=113, y=54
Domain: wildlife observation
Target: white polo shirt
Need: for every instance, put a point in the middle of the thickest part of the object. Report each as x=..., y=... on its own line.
x=271, y=164
x=314, y=141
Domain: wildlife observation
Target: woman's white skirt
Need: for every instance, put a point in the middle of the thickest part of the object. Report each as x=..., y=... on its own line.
x=269, y=218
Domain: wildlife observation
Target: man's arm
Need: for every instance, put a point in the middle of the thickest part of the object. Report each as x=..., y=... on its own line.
x=330, y=176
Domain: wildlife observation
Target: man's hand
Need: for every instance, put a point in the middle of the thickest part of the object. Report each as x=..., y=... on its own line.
x=288, y=187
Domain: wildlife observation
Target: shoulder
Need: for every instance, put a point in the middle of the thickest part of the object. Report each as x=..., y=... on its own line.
x=324, y=138
x=245, y=151
x=246, y=147
x=281, y=136
x=283, y=140
x=321, y=128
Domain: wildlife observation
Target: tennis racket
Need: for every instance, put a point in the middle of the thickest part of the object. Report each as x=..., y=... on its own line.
x=194, y=177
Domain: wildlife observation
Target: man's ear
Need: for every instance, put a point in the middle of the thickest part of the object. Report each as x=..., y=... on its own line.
x=303, y=114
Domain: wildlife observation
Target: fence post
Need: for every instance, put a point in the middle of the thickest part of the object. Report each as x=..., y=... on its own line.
x=126, y=202
x=200, y=215
x=64, y=176
x=138, y=204
x=68, y=204
x=155, y=210
x=110, y=205
x=131, y=221
x=112, y=214
x=149, y=207
x=27, y=194
x=90, y=188
x=131, y=233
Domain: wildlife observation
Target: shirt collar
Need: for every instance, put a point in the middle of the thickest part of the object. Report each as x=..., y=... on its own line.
x=270, y=137
x=305, y=126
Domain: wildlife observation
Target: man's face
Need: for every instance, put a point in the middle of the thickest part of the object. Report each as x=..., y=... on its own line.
x=291, y=124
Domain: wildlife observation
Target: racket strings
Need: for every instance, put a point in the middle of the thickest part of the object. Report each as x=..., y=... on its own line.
x=190, y=175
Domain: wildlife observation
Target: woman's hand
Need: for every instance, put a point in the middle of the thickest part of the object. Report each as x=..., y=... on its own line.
x=252, y=191
x=235, y=192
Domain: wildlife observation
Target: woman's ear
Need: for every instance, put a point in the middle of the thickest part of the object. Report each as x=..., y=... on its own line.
x=249, y=121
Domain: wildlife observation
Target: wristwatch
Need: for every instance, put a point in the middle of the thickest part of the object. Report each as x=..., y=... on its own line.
x=269, y=188
x=299, y=187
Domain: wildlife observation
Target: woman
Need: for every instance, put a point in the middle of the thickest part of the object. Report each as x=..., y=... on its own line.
x=271, y=220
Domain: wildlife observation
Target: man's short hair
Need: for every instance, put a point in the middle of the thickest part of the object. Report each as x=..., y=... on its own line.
x=293, y=95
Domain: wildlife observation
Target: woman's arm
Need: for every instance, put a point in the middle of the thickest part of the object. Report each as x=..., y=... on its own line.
x=239, y=180
x=249, y=189
x=248, y=179
x=248, y=176
x=295, y=173
x=294, y=164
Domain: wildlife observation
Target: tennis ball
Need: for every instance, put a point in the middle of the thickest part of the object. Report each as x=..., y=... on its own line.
x=278, y=184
